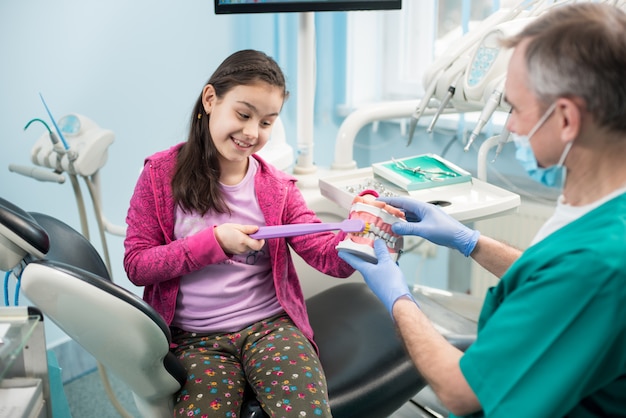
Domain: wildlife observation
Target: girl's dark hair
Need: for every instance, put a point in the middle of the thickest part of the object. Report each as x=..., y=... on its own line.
x=195, y=183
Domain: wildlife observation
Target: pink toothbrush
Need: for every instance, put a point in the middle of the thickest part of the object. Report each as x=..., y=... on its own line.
x=279, y=231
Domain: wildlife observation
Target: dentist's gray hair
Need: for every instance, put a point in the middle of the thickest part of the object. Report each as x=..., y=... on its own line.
x=579, y=50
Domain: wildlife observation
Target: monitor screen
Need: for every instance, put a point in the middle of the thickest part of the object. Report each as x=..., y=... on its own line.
x=278, y=6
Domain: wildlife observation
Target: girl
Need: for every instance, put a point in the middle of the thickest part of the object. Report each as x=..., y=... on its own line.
x=234, y=303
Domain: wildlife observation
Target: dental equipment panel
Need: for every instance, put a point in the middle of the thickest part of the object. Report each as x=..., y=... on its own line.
x=77, y=146
x=444, y=82
x=470, y=75
x=484, y=76
x=87, y=147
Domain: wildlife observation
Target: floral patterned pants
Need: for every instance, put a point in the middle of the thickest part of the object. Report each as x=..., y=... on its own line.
x=273, y=356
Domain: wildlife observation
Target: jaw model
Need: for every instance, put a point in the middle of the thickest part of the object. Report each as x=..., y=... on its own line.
x=378, y=217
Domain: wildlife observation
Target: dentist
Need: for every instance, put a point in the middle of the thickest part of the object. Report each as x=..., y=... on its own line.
x=552, y=334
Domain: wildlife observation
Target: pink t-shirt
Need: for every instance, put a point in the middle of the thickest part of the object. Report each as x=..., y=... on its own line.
x=228, y=296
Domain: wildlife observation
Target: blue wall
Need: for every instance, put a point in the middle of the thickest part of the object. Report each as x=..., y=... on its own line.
x=136, y=68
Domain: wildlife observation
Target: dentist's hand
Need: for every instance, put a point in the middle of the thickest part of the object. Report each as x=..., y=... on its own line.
x=429, y=221
x=385, y=278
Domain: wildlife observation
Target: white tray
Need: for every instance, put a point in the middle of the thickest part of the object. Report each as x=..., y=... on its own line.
x=466, y=202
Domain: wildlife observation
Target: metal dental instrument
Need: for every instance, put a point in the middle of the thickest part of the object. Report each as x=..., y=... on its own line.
x=434, y=175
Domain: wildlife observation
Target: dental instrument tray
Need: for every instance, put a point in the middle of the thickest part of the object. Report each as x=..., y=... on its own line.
x=421, y=172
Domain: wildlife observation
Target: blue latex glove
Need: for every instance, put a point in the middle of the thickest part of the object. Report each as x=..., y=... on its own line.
x=430, y=222
x=384, y=278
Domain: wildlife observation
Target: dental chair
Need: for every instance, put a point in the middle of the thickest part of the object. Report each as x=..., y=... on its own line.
x=368, y=371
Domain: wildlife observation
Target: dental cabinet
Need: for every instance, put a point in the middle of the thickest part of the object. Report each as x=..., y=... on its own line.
x=24, y=384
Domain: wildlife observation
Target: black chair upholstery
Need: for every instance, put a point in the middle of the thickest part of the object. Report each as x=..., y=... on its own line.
x=368, y=370
x=68, y=246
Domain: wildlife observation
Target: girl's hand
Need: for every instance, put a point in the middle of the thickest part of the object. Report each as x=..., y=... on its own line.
x=234, y=239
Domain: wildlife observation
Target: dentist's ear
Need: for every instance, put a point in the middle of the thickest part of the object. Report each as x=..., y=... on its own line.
x=571, y=114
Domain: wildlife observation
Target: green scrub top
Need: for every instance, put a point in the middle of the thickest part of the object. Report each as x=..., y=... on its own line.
x=552, y=334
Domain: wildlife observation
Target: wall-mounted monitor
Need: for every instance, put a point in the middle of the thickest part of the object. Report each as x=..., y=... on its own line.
x=279, y=6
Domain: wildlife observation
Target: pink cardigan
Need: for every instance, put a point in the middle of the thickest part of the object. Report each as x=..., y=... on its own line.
x=154, y=259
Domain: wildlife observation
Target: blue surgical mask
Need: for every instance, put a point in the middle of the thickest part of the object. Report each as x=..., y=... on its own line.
x=550, y=176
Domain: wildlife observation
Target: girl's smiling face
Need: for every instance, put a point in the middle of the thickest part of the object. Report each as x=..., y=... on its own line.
x=241, y=121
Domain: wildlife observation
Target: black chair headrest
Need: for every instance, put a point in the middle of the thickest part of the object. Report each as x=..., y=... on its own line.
x=70, y=247
x=24, y=226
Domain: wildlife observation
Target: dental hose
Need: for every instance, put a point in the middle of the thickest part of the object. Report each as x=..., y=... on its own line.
x=16, y=300
x=6, y=288
x=104, y=377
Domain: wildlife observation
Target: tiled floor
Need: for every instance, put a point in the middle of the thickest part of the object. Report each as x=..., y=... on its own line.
x=87, y=397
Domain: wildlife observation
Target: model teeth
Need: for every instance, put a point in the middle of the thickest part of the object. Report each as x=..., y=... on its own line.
x=375, y=232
